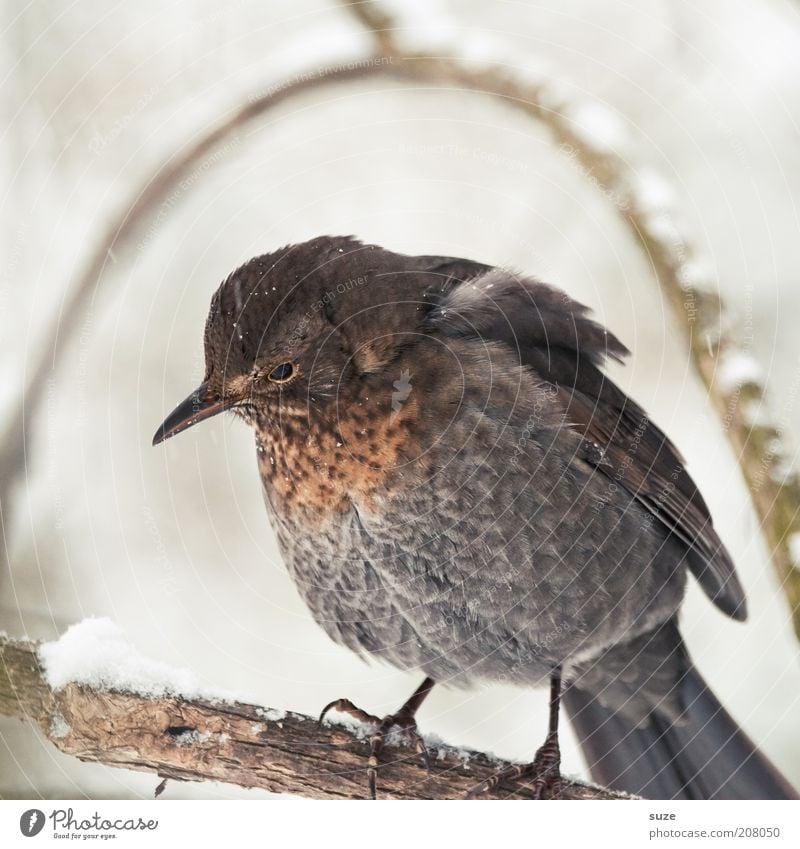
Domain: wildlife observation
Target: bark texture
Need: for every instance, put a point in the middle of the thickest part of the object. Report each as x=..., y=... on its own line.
x=274, y=750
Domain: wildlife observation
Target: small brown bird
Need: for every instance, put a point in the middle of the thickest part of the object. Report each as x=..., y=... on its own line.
x=457, y=488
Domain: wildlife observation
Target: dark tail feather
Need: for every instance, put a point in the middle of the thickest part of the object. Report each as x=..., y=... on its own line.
x=706, y=756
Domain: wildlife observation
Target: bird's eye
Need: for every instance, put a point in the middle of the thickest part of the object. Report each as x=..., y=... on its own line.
x=282, y=373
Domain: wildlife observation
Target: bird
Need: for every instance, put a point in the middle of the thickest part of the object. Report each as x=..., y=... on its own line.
x=458, y=489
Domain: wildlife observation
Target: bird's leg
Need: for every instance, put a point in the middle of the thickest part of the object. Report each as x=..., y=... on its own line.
x=545, y=769
x=402, y=719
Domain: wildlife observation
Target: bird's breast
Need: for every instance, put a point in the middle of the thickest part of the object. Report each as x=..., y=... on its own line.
x=313, y=471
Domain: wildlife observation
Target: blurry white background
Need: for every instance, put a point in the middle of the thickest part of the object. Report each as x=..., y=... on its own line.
x=173, y=543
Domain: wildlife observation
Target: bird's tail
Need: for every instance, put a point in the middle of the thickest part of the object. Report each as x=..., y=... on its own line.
x=704, y=756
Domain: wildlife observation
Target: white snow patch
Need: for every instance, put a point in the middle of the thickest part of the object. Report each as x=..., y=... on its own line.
x=756, y=413
x=360, y=730
x=775, y=447
x=481, y=47
x=660, y=225
x=396, y=737
x=793, y=544
x=272, y=714
x=189, y=738
x=652, y=192
x=95, y=652
x=437, y=748
x=737, y=368
x=697, y=276
x=783, y=471
x=597, y=126
x=59, y=727
x=443, y=750
x=422, y=24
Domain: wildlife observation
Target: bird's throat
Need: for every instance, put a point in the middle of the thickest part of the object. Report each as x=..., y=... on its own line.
x=314, y=468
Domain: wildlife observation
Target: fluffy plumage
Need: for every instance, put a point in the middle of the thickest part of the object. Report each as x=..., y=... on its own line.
x=458, y=488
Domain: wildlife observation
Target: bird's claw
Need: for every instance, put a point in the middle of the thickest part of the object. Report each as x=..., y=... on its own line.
x=405, y=724
x=346, y=706
x=545, y=770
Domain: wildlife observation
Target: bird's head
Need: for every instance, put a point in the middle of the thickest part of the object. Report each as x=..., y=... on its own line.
x=289, y=331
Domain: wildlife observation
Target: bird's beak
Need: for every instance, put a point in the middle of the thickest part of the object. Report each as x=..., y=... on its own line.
x=198, y=406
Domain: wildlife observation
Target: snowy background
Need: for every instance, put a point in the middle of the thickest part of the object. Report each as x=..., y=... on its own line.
x=172, y=544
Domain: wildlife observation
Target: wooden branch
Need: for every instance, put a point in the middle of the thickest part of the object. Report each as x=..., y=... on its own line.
x=193, y=740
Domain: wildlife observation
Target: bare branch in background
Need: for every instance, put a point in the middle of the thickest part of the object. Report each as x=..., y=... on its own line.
x=727, y=368
x=252, y=747
x=120, y=235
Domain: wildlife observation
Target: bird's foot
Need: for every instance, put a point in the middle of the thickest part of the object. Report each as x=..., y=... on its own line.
x=401, y=723
x=545, y=770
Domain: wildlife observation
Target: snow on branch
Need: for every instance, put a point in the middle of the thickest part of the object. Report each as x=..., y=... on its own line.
x=94, y=696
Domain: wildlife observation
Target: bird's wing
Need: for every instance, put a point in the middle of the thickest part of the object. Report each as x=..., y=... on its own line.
x=554, y=336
